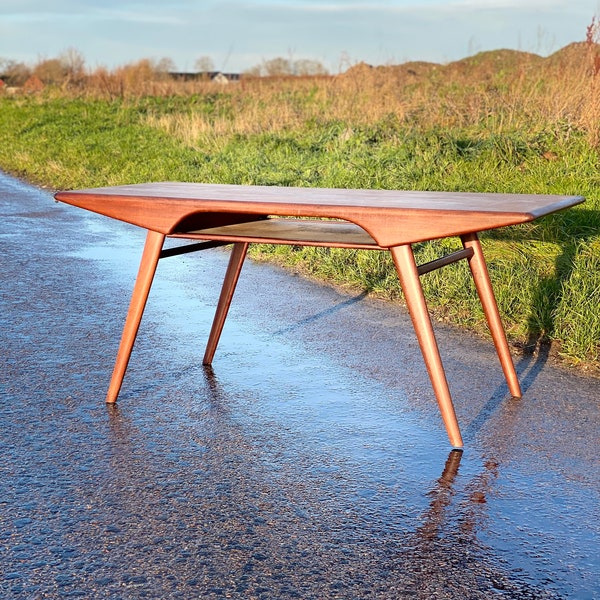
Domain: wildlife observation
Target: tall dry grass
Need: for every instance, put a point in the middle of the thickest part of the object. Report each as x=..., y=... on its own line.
x=494, y=92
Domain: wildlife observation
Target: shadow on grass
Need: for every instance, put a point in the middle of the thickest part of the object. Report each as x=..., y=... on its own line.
x=570, y=229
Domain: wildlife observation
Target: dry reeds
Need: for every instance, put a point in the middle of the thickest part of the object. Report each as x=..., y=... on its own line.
x=501, y=91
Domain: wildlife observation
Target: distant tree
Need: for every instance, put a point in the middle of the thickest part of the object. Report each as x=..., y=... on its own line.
x=33, y=84
x=14, y=73
x=133, y=77
x=50, y=70
x=163, y=67
x=73, y=65
x=204, y=64
x=277, y=67
x=254, y=71
x=307, y=66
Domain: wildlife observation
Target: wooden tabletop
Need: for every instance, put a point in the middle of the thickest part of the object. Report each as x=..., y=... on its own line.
x=390, y=217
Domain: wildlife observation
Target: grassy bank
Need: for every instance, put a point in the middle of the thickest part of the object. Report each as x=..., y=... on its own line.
x=367, y=130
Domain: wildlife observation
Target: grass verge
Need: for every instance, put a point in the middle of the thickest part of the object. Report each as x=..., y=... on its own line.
x=546, y=274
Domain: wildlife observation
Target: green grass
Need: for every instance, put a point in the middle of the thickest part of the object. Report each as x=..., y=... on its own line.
x=546, y=274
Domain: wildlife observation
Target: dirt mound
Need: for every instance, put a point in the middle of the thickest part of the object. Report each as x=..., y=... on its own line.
x=486, y=65
x=576, y=55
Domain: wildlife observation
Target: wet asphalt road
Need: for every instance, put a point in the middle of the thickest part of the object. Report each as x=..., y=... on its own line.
x=310, y=462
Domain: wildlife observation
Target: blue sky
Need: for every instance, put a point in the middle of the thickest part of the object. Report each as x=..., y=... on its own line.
x=238, y=34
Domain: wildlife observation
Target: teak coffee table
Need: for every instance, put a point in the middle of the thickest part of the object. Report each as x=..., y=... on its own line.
x=366, y=219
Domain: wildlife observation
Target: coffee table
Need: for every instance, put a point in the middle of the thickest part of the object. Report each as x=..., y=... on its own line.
x=217, y=214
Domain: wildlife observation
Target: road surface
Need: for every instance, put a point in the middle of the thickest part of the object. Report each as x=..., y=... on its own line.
x=310, y=462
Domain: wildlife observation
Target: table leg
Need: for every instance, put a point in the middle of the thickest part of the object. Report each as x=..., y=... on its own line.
x=483, y=285
x=413, y=292
x=236, y=260
x=141, y=289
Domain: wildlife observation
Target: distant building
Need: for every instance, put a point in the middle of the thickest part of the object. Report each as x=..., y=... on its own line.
x=7, y=89
x=220, y=78
x=216, y=76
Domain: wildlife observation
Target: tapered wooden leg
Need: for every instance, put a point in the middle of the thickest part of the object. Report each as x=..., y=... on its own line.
x=483, y=285
x=413, y=292
x=141, y=289
x=236, y=260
